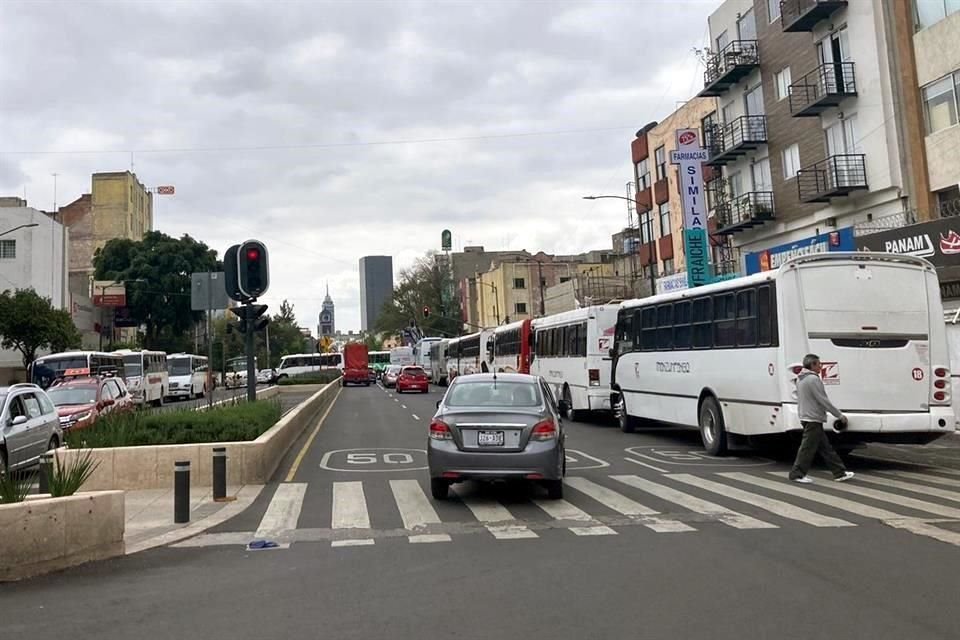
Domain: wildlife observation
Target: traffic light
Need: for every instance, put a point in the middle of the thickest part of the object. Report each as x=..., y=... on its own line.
x=253, y=269
x=250, y=316
x=426, y=311
x=231, y=279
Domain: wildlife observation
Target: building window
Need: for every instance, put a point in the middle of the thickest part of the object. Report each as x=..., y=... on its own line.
x=668, y=268
x=747, y=26
x=948, y=202
x=927, y=13
x=519, y=283
x=665, y=219
x=543, y=283
x=643, y=174
x=722, y=40
x=773, y=10
x=791, y=161
x=940, y=104
x=762, y=180
x=8, y=249
x=661, y=159
x=520, y=307
x=564, y=279
x=646, y=227
x=784, y=80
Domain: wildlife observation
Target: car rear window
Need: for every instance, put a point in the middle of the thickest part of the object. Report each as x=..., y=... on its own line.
x=493, y=394
x=415, y=371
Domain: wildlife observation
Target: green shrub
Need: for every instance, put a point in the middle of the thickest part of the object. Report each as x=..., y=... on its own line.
x=67, y=477
x=14, y=486
x=323, y=377
x=226, y=423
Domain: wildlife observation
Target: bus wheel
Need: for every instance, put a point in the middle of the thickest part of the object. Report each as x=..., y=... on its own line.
x=571, y=414
x=627, y=423
x=712, y=429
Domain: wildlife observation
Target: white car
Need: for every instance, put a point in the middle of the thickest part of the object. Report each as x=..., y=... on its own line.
x=266, y=376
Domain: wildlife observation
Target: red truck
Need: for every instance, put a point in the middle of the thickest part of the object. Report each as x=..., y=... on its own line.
x=356, y=364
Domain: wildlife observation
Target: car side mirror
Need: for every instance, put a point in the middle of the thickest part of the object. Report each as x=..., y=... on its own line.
x=109, y=402
x=16, y=422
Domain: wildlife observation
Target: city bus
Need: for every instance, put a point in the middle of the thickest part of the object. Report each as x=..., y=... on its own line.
x=236, y=372
x=438, y=362
x=379, y=360
x=299, y=364
x=464, y=354
x=724, y=358
x=187, y=374
x=510, y=347
x=46, y=369
x=145, y=373
x=402, y=356
x=421, y=353
x=572, y=354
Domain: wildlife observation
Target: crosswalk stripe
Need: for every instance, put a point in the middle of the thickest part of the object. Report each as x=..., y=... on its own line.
x=777, y=507
x=563, y=510
x=726, y=516
x=495, y=517
x=893, y=498
x=622, y=504
x=926, y=490
x=807, y=493
x=416, y=510
x=283, y=511
x=350, y=511
x=924, y=477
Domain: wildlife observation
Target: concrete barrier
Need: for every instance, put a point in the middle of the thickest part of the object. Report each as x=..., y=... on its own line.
x=253, y=462
x=49, y=534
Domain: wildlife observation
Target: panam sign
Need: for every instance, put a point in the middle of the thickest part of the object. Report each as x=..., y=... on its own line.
x=938, y=241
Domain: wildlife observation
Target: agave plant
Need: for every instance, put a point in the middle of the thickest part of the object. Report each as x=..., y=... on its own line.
x=14, y=486
x=67, y=477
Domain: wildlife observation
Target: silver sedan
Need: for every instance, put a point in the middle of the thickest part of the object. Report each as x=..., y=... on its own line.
x=493, y=427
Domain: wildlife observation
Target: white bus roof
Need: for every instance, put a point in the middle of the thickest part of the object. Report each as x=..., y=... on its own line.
x=137, y=352
x=466, y=337
x=573, y=316
x=62, y=354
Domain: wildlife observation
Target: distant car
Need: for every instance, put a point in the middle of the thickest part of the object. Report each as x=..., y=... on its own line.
x=413, y=379
x=29, y=426
x=266, y=376
x=496, y=427
x=372, y=374
x=81, y=401
x=390, y=375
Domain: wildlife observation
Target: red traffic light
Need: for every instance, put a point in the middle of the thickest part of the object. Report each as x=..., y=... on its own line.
x=426, y=312
x=253, y=253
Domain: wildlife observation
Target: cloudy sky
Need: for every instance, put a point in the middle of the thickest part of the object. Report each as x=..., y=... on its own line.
x=333, y=130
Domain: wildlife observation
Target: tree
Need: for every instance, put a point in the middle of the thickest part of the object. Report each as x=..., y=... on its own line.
x=373, y=342
x=426, y=284
x=29, y=323
x=157, y=272
x=285, y=334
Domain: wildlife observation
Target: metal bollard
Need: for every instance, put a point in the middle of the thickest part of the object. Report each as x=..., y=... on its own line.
x=219, y=473
x=181, y=492
x=46, y=471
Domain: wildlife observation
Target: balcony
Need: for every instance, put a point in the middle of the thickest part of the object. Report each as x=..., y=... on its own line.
x=729, y=66
x=833, y=177
x=744, y=212
x=735, y=139
x=826, y=86
x=803, y=15
x=644, y=200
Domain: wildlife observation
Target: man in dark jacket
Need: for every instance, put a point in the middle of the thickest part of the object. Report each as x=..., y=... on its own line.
x=813, y=405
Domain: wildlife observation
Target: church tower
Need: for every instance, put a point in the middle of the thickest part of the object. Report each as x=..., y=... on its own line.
x=327, y=316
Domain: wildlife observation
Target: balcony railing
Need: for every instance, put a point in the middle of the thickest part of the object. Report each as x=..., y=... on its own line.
x=826, y=86
x=803, y=15
x=833, y=177
x=728, y=66
x=744, y=212
x=737, y=138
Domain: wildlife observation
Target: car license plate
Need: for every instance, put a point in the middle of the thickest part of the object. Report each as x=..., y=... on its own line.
x=490, y=438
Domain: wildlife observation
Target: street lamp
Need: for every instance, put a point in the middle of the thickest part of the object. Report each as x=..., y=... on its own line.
x=18, y=227
x=652, y=260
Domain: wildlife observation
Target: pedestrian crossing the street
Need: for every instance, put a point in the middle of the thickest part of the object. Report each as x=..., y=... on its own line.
x=382, y=511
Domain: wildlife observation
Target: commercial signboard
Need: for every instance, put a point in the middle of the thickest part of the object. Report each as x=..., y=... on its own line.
x=675, y=282
x=772, y=258
x=938, y=241
x=108, y=293
x=691, y=156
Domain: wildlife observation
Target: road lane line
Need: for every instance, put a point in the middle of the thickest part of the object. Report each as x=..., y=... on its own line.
x=563, y=510
x=313, y=434
x=624, y=505
x=782, y=509
x=901, y=501
x=924, y=477
x=809, y=493
x=644, y=464
x=909, y=486
x=726, y=516
x=495, y=517
x=415, y=416
x=283, y=511
x=403, y=406
x=350, y=511
x=416, y=510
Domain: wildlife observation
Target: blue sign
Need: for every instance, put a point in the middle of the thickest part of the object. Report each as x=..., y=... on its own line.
x=772, y=258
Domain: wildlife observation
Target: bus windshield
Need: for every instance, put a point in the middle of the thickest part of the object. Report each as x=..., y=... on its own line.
x=179, y=367
x=132, y=366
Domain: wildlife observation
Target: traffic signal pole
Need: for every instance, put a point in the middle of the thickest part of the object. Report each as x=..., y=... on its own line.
x=251, y=358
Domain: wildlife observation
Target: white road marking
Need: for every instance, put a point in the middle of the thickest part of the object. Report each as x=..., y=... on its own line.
x=495, y=517
x=624, y=505
x=902, y=501
x=926, y=529
x=364, y=542
x=924, y=477
x=415, y=509
x=563, y=510
x=403, y=406
x=416, y=417
x=395, y=400
x=283, y=511
x=777, y=507
x=350, y=511
x=909, y=486
x=644, y=464
x=726, y=516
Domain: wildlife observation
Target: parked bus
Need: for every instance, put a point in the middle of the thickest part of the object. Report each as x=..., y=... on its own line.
x=379, y=360
x=236, y=372
x=145, y=373
x=725, y=357
x=299, y=364
x=187, y=374
x=402, y=356
x=464, y=354
x=438, y=362
x=572, y=354
x=421, y=353
x=510, y=346
x=46, y=369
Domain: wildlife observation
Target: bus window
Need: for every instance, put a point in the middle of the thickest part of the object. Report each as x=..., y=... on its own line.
x=766, y=320
x=681, y=324
x=702, y=323
x=665, y=327
x=648, y=329
x=724, y=320
x=747, y=318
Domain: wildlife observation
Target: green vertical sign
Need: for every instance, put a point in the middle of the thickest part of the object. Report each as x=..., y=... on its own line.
x=446, y=240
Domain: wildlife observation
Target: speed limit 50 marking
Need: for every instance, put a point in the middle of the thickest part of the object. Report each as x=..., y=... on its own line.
x=374, y=460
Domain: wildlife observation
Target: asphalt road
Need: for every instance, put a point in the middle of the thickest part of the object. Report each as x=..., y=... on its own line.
x=732, y=551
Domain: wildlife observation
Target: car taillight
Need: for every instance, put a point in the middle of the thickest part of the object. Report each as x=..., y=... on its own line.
x=439, y=430
x=545, y=430
x=941, y=382
x=594, y=377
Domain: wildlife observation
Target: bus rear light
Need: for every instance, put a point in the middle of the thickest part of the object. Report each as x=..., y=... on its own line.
x=796, y=369
x=939, y=396
x=940, y=384
x=594, y=376
x=941, y=372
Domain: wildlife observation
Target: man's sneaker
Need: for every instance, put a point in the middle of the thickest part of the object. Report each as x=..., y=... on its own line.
x=803, y=480
x=846, y=476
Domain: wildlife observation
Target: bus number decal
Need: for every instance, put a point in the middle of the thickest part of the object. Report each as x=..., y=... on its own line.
x=830, y=372
x=918, y=374
x=673, y=367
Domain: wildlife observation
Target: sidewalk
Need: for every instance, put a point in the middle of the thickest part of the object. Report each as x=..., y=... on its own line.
x=149, y=515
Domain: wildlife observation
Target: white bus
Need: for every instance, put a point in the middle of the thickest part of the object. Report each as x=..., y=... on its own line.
x=379, y=360
x=299, y=364
x=145, y=373
x=46, y=369
x=572, y=353
x=421, y=353
x=467, y=354
x=438, y=362
x=402, y=356
x=187, y=374
x=725, y=357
